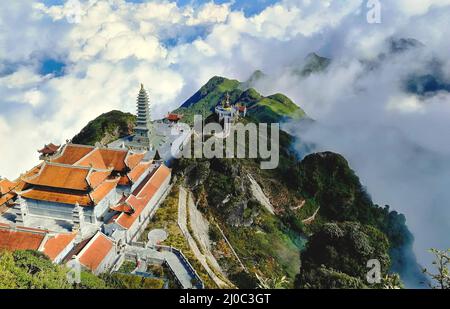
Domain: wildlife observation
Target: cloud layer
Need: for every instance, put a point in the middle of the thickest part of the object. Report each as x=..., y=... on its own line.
x=396, y=141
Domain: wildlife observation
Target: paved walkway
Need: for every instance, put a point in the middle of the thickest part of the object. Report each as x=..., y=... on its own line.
x=182, y=222
x=171, y=258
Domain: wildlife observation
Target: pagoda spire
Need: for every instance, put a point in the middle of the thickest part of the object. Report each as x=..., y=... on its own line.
x=226, y=102
x=143, y=109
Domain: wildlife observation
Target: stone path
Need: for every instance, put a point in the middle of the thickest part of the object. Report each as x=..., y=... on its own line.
x=182, y=222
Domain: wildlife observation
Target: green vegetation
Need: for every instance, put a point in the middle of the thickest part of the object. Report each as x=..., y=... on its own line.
x=128, y=281
x=337, y=254
x=266, y=245
x=106, y=128
x=327, y=178
x=127, y=267
x=33, y=270
x=30, y=270
x=91, y=281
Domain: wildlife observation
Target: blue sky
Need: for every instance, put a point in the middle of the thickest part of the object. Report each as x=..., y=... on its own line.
x=250, y=7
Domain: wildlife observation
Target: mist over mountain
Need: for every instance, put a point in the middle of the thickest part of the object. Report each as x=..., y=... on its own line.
x=384, y=115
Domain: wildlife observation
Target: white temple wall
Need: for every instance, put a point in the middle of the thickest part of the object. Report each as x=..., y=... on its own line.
x=102, y=208
x=135, y=231
x=57, y=211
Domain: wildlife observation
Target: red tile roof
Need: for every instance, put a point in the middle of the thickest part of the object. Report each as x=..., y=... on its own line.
x=92, y=159
x=124, y=181
x=103, y=190
x=174, y=117
x=97, y=177
x=72, y=153
x=141, y=198
x=81, y=174
x=138, y=171
x=241, y=108
x=57, y=244
x=61, y=176
x=6, y=198
x=21, y=238
x=6, y=186
x=7, y=190
x=123, y=207
x=96, y=251
x=133, y=159
x=101, y=158
x=115, y=158
x=57, y=197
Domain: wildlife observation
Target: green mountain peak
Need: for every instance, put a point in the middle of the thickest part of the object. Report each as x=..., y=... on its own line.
x=274, y=108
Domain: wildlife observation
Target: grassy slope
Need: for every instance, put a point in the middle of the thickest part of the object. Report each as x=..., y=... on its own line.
x=204, y=101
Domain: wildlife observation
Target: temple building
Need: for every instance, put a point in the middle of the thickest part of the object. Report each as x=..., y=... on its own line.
x=79, y=181
x=228, y=112
x=98, y=254
x=82, y=204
